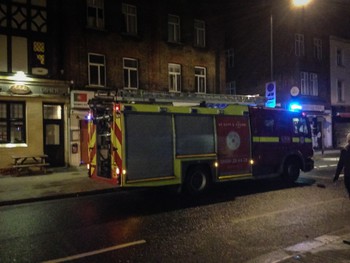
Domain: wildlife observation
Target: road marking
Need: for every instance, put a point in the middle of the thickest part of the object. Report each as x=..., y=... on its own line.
x=95, y=252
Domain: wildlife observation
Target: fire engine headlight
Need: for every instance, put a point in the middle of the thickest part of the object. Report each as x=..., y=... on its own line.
x=251, y=161
x=216, y=164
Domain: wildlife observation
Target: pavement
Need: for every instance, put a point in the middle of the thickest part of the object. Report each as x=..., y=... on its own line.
x=74, y=181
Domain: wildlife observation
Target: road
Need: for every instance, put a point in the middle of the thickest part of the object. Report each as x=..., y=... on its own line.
x=235, y=222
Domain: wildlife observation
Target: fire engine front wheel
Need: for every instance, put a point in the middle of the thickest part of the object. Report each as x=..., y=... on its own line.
x=197, y=180
x=291, y=171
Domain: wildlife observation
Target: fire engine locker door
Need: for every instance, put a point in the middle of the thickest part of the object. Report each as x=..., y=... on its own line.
x=54, y=134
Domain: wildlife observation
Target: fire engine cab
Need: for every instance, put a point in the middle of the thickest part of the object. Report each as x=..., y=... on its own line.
x=152, y=139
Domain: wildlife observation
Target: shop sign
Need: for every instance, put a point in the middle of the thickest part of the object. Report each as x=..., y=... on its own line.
x=313, y=107
x=80, y=99
x=20, y=89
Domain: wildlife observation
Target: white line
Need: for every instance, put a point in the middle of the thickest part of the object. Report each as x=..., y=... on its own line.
x=95, y=252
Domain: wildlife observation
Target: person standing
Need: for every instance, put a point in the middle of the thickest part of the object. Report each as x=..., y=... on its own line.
x=344, y=162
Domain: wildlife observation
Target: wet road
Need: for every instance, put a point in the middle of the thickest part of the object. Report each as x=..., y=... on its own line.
x=235, y=222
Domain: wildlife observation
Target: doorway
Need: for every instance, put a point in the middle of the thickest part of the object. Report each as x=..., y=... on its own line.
x=54, y=133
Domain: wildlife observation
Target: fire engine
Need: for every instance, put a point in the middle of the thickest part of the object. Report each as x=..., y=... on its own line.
x=192, y=141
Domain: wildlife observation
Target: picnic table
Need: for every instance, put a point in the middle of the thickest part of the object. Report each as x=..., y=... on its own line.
x=22, y=162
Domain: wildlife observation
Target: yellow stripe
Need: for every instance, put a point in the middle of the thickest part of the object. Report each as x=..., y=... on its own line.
x=266, y=139
x=228, y=177
x=295, y=139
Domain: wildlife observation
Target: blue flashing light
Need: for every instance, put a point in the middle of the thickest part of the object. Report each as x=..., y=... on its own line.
x=295, y=107
x=88, y=117
x=217, y=105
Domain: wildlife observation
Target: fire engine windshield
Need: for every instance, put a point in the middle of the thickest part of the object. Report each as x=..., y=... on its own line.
x=300, y=126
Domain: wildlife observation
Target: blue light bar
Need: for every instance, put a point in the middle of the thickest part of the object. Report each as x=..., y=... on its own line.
x=295, y=107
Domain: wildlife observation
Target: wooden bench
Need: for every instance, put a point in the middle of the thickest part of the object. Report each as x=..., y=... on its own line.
x=23, y=162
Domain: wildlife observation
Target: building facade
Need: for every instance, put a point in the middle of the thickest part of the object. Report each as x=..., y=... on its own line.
x=33, y=96
x=135, y=46
x=340, y=88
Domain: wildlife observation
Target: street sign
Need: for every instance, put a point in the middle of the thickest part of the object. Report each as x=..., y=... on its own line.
x=270, y=94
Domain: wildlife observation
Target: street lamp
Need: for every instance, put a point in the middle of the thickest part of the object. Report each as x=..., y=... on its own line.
x=295, y=3
x=300, y=3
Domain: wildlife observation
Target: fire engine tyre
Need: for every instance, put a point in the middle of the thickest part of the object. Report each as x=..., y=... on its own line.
x=197, y=180
x=291, y=171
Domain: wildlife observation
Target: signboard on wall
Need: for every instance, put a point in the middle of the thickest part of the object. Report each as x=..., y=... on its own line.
x=80, y=99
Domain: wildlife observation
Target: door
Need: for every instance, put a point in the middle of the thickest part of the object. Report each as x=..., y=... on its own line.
x=54, y=134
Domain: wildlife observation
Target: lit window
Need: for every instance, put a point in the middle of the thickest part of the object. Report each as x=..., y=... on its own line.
x=12, y=122
x=309, y=84
x=318, y=49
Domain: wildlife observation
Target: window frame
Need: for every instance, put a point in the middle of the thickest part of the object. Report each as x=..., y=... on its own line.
x=96, y=5
x=200, y=80
x=199, y=33
x=129, y=70
x=340, y=91
x=174, y=29
x=10, y=120
x=174, y=77
x=129, y=17
x=339, y=57
x=101, y=79
x=309, y=83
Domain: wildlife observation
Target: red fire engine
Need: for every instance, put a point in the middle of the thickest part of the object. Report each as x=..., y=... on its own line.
x=194, y=141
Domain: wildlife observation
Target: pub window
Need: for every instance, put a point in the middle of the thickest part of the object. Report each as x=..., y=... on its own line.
x=12, y=122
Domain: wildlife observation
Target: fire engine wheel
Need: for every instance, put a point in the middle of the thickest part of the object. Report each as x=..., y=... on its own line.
x=291, y=171
x=197, y=180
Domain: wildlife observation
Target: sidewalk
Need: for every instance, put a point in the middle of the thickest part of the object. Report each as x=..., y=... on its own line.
x=56, y=183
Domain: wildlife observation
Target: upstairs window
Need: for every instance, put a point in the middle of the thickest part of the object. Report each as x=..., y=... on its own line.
x=173, y=29
x=200, y=74
x=95, y=14
x=339, y=57
x=309, y=84
x=340, y=91
x=299, y=45
x=174, y=71
x=318, y=49
x=130, y=19
x=97, y=70
x=230, y=58
x=130, y=68
x=12, y=122
x=199, y=33
x=231, y=88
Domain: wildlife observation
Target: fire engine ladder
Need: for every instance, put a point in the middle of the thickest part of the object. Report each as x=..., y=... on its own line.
x=194, y=98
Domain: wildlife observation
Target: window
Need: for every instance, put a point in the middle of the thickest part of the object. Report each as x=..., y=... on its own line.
x=95, y=14
x=200, y=74
x=97, y=75
x=339, y=57
x=199, y=33
x=3, y=54
x=340, y=91
x=299, y=45
x=318, y=49
x=231, y=88
x=130, y=19
x=230, y=58
x=300, y=126
x=174, y=77
x=39, y=54
x=130, y=68
x=173, y=29
x=12, y=122
x=309, y=84
x=19, y=54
